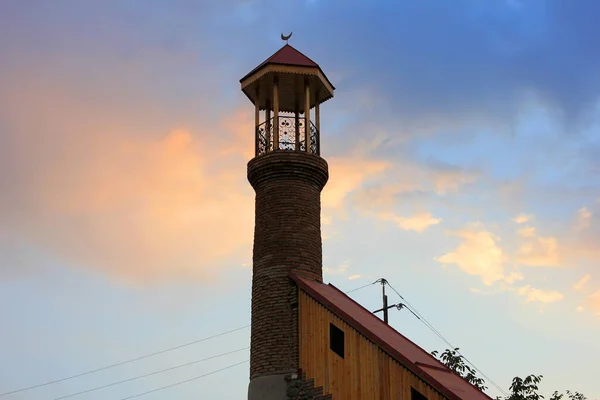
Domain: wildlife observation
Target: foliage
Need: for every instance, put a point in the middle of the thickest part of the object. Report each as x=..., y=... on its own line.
x=520, y=389
x=456, y=362
x=525, y=389
x=556, y=396
x=575, y=396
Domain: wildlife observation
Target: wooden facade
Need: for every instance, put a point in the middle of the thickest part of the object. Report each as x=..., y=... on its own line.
x=364, y=373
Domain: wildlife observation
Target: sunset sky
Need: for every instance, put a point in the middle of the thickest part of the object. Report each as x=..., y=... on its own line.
x=463, y=145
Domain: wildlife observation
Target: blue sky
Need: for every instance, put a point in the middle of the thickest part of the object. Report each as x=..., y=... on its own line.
x=463, y=143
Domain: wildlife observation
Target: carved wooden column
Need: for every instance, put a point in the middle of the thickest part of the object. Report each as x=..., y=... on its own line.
x=275, y=113
x=297, y=125
x=318, y=123
x=268, y=125
x=256, y=123
x=307, y=114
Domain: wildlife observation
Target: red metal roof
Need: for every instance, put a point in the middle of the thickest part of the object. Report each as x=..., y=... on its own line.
x=403, y=350
x=287, y=55
x=290, y=56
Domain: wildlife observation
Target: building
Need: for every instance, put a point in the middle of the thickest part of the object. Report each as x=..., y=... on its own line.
x=309, y=340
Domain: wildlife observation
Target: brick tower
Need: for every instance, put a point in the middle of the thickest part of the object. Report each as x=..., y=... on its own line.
x=287, y=174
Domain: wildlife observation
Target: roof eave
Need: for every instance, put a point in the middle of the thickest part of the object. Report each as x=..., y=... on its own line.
x=264, y=65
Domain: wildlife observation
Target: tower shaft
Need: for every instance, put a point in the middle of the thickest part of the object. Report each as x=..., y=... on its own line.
x=287, y=237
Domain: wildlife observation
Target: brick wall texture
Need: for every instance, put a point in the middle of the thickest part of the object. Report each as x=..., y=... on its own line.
x=287, y=236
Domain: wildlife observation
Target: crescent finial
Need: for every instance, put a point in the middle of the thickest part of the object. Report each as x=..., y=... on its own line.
x=286, y=37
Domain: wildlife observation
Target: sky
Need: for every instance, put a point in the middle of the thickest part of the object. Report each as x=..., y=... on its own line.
x=463, y=145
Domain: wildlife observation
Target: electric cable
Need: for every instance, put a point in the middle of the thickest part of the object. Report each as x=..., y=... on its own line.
x=149, y=374
x=438, y=334
x=182, y=382
x=123, y=362
x=362, y=287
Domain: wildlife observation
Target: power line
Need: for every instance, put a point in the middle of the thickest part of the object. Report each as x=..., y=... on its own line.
x=438, y=334
x=122, y=362
x=362, y=287
x=182, y=382
x=150, y=374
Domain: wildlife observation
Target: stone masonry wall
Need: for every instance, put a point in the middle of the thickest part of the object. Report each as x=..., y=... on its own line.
x=301, y=388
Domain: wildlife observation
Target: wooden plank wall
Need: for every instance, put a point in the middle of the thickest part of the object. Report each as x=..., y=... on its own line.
x=365, y=372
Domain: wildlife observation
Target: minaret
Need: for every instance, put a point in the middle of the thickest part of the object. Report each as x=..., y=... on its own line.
x=287, y=174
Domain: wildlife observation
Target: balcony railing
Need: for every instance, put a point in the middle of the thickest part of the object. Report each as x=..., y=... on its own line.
x=291, y=137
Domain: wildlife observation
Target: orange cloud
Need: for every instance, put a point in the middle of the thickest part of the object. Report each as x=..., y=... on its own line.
x=346, y=175
x=99, y=176
x=551, y=251
x=539, y=252
x=340, y=270
x=539, y=295
x=594, y=302
x=580, y=284
x=522, y=218
x=418, y=222
x=140, y=209
x=479, y=254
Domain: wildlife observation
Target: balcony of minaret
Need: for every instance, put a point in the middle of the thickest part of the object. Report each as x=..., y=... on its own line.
x=287, y=132
x=287, y=112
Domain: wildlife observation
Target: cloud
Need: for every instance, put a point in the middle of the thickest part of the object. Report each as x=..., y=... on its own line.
x=447, y=179
x=354, y=277
x=346, y=175
x=539, y=295
x=400, y=185
x=478, y=254
x=522, y=218
x=403, y=178
x=527, y=232
x=580, y=284
x=418, y=222
x=488, y=67
x=567, y=249
x=340, y=270
x=134, y=208
x=479, y=291
x=594, y=302
x=583, y=219
x=539, y=252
